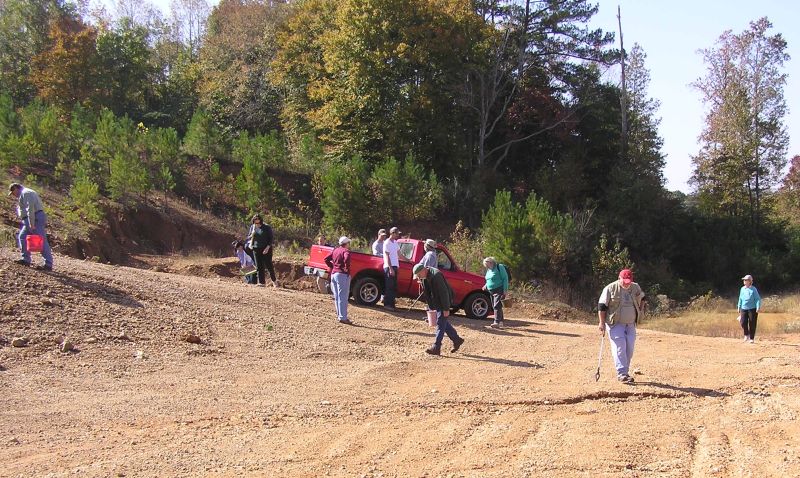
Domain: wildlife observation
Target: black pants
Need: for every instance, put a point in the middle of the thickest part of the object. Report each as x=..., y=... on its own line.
x=748, y=320
x=262, y=261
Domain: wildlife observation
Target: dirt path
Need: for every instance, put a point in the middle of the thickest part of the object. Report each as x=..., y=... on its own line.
x=278, y=388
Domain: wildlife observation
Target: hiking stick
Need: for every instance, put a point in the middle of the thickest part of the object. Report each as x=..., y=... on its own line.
x=600, y=357
x=421, y=291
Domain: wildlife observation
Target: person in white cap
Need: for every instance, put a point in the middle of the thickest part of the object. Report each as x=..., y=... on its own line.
x=377, y=246
x=34, y=221
x=391, y=263
x=339, y=263
x=748, y=306
x=430, y=259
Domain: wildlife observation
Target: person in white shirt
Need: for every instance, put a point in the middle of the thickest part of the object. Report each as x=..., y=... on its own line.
x=34, y=221
x=377, y=246
x=391, y=263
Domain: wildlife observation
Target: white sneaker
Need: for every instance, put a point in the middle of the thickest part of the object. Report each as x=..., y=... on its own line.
x=751, y=341
x=746, y=339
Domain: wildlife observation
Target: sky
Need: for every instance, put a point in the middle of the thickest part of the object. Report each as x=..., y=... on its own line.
x=671, y=33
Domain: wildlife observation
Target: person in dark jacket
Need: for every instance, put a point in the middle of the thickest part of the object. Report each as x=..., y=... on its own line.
x=338, y=262
x=439, y=297
x=259, y=240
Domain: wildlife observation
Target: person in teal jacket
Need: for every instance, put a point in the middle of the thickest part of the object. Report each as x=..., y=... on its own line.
x=497, y=286
x=749, y=305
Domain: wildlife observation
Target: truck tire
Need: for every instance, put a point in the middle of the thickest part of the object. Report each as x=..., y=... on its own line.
x=477, y=305
x=367, y=291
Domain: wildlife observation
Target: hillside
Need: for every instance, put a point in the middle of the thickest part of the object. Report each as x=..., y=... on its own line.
x=277, y=388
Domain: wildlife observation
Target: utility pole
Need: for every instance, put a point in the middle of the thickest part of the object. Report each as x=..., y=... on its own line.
x=623, y=99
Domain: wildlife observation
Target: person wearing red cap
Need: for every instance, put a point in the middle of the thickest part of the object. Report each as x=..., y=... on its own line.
x=619, y=309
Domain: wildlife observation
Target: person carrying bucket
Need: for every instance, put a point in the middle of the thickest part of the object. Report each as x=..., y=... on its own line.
x=32, y=236
x=439, y=297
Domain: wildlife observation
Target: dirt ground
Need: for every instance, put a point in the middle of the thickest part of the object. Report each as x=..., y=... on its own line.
x=277, y=388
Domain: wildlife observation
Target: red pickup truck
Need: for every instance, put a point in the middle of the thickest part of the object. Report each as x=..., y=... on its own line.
x=366, y=277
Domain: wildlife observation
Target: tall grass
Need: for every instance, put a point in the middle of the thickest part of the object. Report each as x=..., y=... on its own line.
x=717, y=317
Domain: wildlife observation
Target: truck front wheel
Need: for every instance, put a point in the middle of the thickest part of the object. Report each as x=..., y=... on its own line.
x=367, y=291
x=477, y=306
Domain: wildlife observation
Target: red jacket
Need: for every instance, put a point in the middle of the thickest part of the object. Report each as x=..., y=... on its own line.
x=339, y=260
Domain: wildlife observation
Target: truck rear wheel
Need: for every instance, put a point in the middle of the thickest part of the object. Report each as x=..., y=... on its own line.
x=367, y=291
x=477, y=306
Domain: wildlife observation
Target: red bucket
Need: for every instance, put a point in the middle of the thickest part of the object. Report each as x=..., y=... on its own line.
x=34, y=243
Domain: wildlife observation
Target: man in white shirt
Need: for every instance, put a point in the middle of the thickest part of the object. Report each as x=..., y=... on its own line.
x=391, y=263
x=34, y=221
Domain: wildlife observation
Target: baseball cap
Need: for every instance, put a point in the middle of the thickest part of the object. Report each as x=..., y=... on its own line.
x=343, y=240
x=417, y=268
x=747, y=277
x=381, y=232
x=626, y=275
x=12, y=186
x=394, y=230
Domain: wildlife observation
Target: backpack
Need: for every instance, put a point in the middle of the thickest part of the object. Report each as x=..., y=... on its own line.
x=508, y=272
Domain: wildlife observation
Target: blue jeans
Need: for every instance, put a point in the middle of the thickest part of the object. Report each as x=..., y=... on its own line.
x=443, y=326
x=622, y=338
x=340, y=286
x=41, y=225
x=390, y=289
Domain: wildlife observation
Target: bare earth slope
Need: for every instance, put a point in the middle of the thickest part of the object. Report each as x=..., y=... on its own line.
x=278, y=388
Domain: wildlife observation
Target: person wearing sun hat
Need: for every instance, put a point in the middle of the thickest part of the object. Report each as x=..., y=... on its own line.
x=439, y=297
x=339, y=263
x=618, y=310
x=749, y=304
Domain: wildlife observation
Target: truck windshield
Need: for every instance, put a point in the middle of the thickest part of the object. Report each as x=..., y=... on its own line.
x=406, y=250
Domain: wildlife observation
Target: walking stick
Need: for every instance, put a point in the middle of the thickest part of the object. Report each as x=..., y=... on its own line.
x=600, y=357
x=421, y=291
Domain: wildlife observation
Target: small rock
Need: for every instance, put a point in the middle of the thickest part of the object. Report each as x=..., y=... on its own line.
x=67, y=346
x=91, y=340
x=637, y=371
x=324, y=402
x=123, y=336
x=140, y=355
x=19, y=342
x=192, y=339
x=8, y=309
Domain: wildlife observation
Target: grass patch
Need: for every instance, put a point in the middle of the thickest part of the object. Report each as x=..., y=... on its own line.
x=723, y=324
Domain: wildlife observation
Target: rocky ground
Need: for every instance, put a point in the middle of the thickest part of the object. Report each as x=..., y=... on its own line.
x=275, y=387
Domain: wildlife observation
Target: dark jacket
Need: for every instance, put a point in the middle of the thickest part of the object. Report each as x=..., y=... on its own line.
x=262, y=239
x=438, y=293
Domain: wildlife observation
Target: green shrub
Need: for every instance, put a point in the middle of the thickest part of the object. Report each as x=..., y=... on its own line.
x=403, y=192
x=508, y=235
x=607, y=261
x=84, y=199
x=45, y=130
x=204, y=138
x=256, y=188
x=128, y=177
x=346, y=203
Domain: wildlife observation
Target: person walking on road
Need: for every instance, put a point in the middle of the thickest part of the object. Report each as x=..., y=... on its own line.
x=338, y=262
x=439, y=297
x=497, y=286
x=377, y=246
x=34, y=221
x=391, y=264
x=619, y=309
x=749, y=305
x=260, y=239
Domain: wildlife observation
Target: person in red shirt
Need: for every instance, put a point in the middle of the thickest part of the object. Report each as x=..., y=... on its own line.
x=338, y=262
